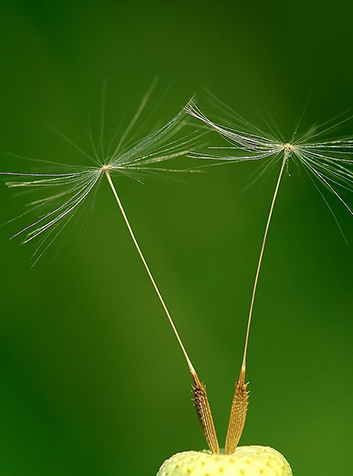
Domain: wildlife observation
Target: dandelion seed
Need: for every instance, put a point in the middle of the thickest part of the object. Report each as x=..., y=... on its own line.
x=135, y=159
x=326, y=162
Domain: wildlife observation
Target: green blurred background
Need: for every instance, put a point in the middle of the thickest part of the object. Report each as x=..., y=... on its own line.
x=92, y=379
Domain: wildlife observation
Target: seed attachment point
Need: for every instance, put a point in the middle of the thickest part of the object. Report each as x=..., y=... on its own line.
x=288, y=149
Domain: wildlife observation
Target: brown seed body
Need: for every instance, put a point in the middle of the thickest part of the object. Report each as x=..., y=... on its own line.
x=237, y=416
x=204, y=414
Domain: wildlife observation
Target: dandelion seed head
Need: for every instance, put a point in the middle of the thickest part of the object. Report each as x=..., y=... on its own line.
x=63, y=194
x=328, y=163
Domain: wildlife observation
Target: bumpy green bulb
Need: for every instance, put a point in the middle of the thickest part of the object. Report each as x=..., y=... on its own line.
x=245, y=461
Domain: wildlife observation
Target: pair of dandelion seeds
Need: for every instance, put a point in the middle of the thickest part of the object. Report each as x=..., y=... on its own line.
x=327, y=163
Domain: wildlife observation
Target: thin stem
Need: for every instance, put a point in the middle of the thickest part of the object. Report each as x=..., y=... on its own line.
x=243, y=367
x=191, y=367
x=201, y=403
